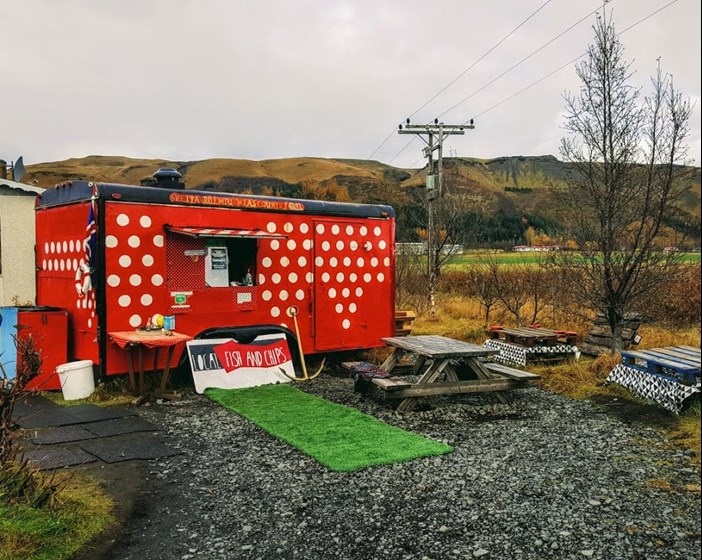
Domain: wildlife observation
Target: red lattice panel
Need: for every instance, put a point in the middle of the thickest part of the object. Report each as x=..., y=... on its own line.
x=185, y=273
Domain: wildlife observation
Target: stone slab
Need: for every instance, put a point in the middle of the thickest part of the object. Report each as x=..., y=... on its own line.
x=90, y=413
x=136, y=446
x=56, y=458
x=61, y=434
x=41, y=415
x=119, y=426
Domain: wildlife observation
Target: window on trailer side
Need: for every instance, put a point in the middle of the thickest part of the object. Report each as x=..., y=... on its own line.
x=241, y=252
x=186, y=262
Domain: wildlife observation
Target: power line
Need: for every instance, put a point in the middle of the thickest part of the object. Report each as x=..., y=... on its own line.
x=403, y=149
x=567, y=64
x=648, y=16
x=655, y=12
x=464, y=72
x=529, y=86
x=519, y=63
x=498, y=77
x=442, y=90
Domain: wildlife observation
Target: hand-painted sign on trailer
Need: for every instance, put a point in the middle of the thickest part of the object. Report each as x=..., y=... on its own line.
x=116, y=255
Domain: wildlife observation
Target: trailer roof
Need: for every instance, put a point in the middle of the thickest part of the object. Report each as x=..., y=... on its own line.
x=77, y=191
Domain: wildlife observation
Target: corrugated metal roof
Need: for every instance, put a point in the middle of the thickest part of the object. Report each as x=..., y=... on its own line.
x=20, y=186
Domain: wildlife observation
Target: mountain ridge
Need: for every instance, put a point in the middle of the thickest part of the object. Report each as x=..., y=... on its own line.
x=514, y=188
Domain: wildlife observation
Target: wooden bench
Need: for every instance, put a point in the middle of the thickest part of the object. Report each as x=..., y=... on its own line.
x=512, y=373
x=403, y=322
x=390, y=383
x=532, y=336
x=679, y=362
x=366, y=374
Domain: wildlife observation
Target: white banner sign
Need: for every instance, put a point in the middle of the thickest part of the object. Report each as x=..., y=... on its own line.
x=225, y=363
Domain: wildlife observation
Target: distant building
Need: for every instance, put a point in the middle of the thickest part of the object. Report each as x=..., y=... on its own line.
x=17, y=241
x=421, y=249
x=536, y=248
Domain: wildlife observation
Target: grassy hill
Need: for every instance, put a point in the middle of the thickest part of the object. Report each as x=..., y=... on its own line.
x=195, y=173
x=514, y=187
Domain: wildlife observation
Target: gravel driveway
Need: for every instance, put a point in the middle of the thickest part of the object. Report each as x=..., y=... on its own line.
x=543, y=477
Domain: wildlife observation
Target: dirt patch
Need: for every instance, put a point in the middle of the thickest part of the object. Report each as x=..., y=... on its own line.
x=633, y=412
x=124, y=483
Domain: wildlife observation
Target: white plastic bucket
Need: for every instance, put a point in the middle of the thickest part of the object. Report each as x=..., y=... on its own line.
x=77, y=381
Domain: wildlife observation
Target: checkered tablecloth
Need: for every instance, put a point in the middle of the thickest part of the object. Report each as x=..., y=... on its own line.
x=123, y=339
x=514, y=354
x=667, y=392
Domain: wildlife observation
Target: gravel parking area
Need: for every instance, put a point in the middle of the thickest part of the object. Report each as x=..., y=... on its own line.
x=542, y=477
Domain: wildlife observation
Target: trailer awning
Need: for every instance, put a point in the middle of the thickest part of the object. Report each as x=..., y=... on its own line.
x=221, y=232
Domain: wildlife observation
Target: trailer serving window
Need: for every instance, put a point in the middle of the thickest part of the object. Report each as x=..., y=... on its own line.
x=229, y=255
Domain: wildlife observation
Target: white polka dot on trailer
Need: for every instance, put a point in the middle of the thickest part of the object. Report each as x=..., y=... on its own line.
x=134, y=244
x=363, y=262
x=65, y=259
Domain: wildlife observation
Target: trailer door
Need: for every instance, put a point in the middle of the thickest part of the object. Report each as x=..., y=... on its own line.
x=340, y=302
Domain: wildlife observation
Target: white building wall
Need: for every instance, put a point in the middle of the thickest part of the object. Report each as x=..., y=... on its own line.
x=17, y=238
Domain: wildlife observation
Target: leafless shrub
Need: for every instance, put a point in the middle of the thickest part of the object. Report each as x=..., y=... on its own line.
x=11, y=390
x=522, y=289
x=481, y=285
x=19, y=481
x=410, y=282
x=677, y=301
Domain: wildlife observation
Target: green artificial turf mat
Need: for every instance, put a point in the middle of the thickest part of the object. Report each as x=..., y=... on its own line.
x=341, y=438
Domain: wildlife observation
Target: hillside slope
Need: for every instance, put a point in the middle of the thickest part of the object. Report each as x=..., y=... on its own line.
x=514, y=186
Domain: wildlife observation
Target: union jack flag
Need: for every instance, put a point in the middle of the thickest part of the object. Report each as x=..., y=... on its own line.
x=90, y=234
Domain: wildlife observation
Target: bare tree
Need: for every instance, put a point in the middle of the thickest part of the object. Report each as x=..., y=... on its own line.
x=480, y=284
x=626, y=153
x=456, y=222
x=522, y=289
x=410, y=280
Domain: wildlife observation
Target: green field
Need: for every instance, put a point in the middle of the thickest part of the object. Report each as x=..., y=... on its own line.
x=512, y=257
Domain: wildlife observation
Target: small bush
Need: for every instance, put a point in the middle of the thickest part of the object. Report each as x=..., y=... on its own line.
x=20, y=484
x=677, y=302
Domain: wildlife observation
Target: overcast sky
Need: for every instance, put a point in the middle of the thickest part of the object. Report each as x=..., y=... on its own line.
x=266, y=79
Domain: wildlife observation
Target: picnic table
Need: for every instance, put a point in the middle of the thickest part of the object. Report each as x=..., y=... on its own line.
x=519, y=345
x=434, y=360
x=533, y=336
x=667, y=375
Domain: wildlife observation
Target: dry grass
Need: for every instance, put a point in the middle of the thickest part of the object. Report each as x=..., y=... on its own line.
x=94, y=168
x=294, y=170
x=112, y=392
x=659, y=484
x=655, y=336
x=581, y=380
x=457, y=318
x=686, y=432
x=664, y=485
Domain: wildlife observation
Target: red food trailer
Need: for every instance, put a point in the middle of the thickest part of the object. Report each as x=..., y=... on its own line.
x=219, y=264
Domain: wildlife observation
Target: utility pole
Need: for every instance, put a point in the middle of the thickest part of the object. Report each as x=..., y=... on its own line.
x=435, y=134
